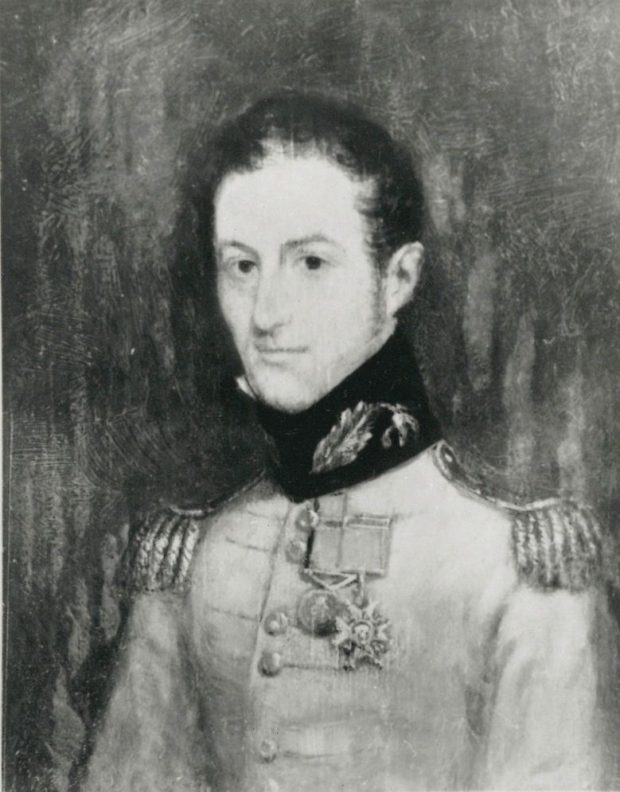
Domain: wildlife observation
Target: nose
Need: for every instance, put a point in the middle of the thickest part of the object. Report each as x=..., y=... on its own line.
x=272, y=303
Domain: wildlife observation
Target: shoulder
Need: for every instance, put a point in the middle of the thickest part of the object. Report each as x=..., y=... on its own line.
x=161, y=546
x=556, y=543
x=164, y=541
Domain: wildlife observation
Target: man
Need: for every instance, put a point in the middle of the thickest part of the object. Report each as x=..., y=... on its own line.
x=362, y=616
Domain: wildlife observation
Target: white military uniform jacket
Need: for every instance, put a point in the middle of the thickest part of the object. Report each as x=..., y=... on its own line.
x=491, y=679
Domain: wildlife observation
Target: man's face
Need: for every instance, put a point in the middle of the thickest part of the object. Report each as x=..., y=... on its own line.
x=297, y=285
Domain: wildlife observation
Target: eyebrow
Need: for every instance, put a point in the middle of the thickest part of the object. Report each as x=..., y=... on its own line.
x=291, y=244
x=233, y=243
x=310, y=239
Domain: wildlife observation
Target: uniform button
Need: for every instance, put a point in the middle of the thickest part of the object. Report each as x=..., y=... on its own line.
x=307, y=520
x=276, y=623
x=296, y=550
x=270, y=663
x=268, y=750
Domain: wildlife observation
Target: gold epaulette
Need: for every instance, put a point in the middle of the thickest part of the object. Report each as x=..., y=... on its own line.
x=161, y=549
x=557, y=543
x=162, y=545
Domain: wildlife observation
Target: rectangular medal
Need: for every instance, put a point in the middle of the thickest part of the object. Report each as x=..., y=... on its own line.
x=359, y=543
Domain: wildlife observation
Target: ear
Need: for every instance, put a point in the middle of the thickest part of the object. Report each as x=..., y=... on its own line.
x=402, y=276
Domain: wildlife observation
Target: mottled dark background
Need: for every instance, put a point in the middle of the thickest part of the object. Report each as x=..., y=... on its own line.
x=112, y=360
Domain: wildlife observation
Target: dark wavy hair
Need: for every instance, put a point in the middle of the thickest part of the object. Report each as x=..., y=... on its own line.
x=308, y=123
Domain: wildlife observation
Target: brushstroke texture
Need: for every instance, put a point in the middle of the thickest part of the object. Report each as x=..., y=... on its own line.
x=112, y=358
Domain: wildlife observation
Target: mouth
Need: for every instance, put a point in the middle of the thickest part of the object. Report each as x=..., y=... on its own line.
x=279, y=353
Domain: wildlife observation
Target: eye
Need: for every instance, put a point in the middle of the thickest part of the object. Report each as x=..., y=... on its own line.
x=313, y=262
x=244, y=266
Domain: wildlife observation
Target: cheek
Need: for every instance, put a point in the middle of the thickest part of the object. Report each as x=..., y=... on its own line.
x=349, y=308
x=236, y=310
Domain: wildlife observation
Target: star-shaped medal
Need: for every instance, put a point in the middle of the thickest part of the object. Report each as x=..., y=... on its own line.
x=362, y=635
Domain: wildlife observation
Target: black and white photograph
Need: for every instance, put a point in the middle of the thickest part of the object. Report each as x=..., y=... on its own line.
x=311, y=404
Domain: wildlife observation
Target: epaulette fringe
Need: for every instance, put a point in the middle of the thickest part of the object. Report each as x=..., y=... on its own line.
x=161, y=549
x=558, y=545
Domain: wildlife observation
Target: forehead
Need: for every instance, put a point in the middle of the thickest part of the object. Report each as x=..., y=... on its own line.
x=290, y=197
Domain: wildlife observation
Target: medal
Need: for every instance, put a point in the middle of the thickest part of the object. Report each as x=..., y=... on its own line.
x=340, y=551
x=362, y=636
x=318, y=611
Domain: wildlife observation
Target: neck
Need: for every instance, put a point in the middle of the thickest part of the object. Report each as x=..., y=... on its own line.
x=387, y=379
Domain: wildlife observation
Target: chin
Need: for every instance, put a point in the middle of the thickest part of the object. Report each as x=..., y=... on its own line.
x=285, y=394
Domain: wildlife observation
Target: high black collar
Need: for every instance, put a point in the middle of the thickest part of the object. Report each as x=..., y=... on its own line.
x=364, y=442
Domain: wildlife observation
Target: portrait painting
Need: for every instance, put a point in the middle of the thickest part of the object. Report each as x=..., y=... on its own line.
x=311, y=319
